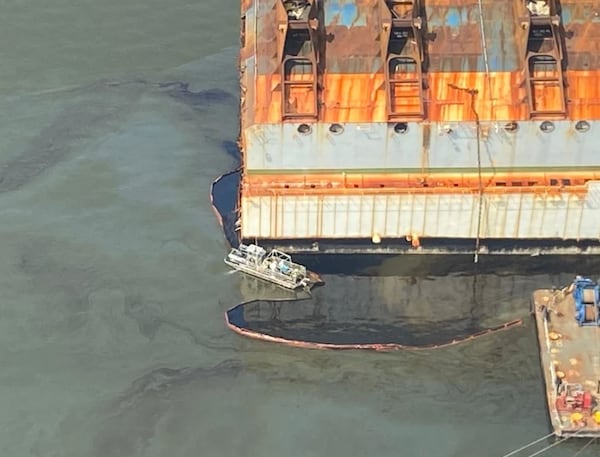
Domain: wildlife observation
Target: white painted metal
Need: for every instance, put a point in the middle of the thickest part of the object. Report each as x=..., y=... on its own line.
x=519, y=216
x=434, y=146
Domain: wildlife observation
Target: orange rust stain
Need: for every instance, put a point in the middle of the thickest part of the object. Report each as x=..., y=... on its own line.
x=362, y=97
x=502, y=98
x=248, y=191
x=584, y=94
x=334, y=184
x=354, y=97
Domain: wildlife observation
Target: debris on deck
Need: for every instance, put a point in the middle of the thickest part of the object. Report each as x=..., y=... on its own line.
x=568, y=328
x=273, y=266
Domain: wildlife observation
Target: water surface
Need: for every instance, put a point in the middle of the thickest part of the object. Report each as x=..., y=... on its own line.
x=115, y=119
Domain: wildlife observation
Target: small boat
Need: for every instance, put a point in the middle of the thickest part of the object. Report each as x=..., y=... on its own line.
x=274, y=266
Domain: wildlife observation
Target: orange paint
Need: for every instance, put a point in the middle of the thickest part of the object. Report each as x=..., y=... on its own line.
x=336, y=184
x=584, y=93
x=362, y=97
x=500, y=99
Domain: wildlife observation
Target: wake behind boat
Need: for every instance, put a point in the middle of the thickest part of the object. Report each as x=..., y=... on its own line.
x=274, y=266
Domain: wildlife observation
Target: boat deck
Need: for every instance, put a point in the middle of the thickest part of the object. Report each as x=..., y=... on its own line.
x=274, y=266
x=570, y=355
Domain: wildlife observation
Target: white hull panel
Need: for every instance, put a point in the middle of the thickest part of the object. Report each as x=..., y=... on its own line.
x=504, y=216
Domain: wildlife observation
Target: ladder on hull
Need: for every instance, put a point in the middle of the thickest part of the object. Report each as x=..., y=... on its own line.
x=298, y=56
x=543, y=59
x=402, y=47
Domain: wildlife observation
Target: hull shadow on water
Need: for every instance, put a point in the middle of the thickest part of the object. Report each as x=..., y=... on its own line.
x=327, y=320
x=391, y=301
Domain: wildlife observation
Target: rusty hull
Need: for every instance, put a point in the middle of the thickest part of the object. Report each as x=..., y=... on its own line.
x=568, y=349
x=540, y=183
x=481, y=100
x=352, y=81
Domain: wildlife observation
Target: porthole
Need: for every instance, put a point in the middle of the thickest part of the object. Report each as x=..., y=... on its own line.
x=547, y=127
x=511, y=127
x=582, y=126
x=304, y=129
x=401, y=128
x=336, y=129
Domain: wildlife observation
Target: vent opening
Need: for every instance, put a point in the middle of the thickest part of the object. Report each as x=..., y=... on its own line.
x=401, y=128
x=336, y=129
x=582, y=126
x=547, y=127
x=304, y=129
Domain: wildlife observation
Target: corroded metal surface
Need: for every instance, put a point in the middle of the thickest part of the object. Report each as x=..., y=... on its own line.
x=391, y=215
x=582, y=34
x=223, y=204
x=353, y=80
x=571, y=353
x=550, y=183
x=530, y=77
x=456, y=41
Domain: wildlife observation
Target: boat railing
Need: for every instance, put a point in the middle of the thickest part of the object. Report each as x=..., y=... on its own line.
x=252, y=249
x=280, y=255
x=283, y=264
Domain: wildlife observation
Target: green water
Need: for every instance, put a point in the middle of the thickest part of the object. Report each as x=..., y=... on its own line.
x=113, y=286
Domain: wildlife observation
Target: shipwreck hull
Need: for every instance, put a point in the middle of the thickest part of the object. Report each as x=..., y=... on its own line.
x=450, y=246
x=405, y=123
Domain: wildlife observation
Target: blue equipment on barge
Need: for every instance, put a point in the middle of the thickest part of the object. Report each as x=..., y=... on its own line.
x=586, y=294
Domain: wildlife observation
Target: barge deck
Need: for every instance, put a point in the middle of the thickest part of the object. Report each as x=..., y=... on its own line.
x=568, y=329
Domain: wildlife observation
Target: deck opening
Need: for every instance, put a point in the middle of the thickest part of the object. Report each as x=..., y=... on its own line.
x=401, y=128
x=336, y=129
x=304, y=129
x=547, y=127
x=582, y=126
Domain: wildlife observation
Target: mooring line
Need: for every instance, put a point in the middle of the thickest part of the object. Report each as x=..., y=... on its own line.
x=522, y=448
x=584, y=447
x=547, y=448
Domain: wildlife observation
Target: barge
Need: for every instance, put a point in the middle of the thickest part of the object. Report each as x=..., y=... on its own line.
x=383, y=126
x=568, y=328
